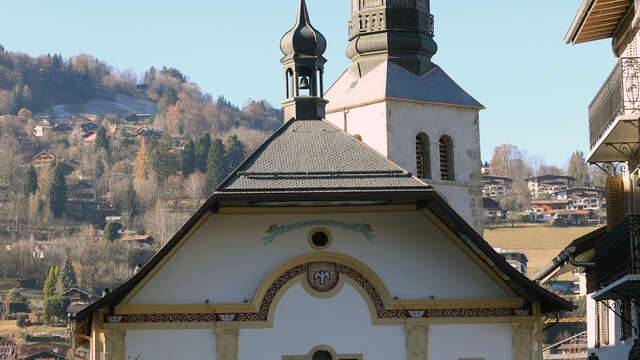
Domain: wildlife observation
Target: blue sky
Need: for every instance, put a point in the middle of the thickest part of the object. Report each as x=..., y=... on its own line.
x=507, y=54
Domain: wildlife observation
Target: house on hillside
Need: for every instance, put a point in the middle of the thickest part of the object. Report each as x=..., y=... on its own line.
x=89, y=137
x=320, y=247
x=544, y=186
x=139, y=241
x=82, y=190
x=41, y=130
x=548, y=207
x=608, y=259
x=138, y=117
x=44, y=158
x=148, y=133
x=495, y=186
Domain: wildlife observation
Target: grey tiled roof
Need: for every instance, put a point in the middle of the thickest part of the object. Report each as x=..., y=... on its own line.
x=314, y=155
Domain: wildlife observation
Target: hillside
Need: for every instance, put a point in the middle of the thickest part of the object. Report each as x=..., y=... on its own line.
x=101, y=168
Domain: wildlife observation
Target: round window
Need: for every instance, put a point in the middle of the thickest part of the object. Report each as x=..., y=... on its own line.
x=321, y=355
x=319, y=238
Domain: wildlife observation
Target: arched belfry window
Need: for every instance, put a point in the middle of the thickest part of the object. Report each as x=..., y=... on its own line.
x=423, y=156
x=446, y=158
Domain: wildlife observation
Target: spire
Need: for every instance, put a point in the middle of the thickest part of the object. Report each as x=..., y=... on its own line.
x=303, y=39
x=400, y=31
x=303, y=63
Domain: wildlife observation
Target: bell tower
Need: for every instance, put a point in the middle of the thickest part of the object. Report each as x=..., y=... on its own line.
x=400, y=31
x=402, y=104
x=303, y=63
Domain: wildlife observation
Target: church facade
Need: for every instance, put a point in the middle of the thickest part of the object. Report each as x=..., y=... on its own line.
x=320, y=247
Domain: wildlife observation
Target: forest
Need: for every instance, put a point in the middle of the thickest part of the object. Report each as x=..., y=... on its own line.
x=83, y=190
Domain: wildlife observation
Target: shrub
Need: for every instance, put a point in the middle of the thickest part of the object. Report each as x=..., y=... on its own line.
x=21, y=320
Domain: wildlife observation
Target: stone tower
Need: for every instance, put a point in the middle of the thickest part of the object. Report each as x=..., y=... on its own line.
x=405, y=106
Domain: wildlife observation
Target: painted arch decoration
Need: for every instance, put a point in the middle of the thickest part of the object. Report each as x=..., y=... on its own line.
x=322, y=274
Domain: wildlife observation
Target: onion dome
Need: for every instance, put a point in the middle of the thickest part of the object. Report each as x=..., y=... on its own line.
x=303, y=39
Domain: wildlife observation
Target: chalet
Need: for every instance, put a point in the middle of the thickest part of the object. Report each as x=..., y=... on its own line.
x=82, y=190
x=570, y=217
x=148, y=133
x=492, y=210
x=140, y=241
x=608, y=259
x=138, y=117
x=544, y=186
x=549, y=207
x=83, y=128
x=495, y=186
x=46, y=120
x=582, y=198
x=44, y=158
x=142, y=87
x=319, y=247
x=41, y=130
x=45, y=355
x=89, y=137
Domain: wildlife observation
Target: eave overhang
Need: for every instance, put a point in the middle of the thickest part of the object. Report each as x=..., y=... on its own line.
x=619, y=143
x=597, y=19
x=625, y=288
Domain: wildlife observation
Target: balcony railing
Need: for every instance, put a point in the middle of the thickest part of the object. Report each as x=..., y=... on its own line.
x=618, y=253
x=619, y=95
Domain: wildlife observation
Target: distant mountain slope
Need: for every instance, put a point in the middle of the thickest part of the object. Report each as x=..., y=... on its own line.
x=118, y=104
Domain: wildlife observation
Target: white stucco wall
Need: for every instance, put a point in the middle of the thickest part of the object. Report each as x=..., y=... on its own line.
x=367, y=121
x=171, y=344
x=390, y=127
x=226, y=259
x=617, y=349
x=492, y=341
x=343, y=322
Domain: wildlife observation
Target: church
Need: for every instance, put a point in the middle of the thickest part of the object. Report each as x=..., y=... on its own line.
x=330, y=242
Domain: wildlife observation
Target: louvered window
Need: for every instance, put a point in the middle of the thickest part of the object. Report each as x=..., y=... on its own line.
x=596, y=324
x=423, y=156
x=614, y=189
x=446, y=158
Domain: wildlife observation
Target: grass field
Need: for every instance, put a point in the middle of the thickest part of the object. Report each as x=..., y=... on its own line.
x=539, y=242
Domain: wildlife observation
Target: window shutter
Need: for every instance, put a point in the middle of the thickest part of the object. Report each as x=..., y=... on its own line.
x=596, y=324
x=615, y=202
x=626, y=330
x=604, y=324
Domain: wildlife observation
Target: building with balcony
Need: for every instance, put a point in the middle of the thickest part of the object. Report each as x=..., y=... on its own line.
x=495, y=186
x=607, y=261
x=544, y=186
x=582, y=198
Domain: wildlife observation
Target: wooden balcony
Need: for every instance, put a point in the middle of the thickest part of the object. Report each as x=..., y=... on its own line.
x=617, y=255
x=619, y=95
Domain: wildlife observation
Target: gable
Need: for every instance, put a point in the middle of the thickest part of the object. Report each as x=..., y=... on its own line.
x=410, y=255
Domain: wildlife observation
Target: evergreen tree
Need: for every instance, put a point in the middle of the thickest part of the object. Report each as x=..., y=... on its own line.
x=578, y=169
x=30, y=185
x=202, y=152
x=130, y=201
x=102, y=142
x=169, y=97
x=163, y=162
x=58, y=193
x=67, y=276
x=49, y=284
x=98, y=169
x=235, y=153
x=216, y=164
x=188, y=158
x=111, y=231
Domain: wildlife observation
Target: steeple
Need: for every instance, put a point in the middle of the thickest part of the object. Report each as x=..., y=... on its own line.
x=303, y=63
x=400, y=31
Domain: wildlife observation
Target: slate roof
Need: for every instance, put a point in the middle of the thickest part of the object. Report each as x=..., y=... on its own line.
x=390, y=81
x=314, y=155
